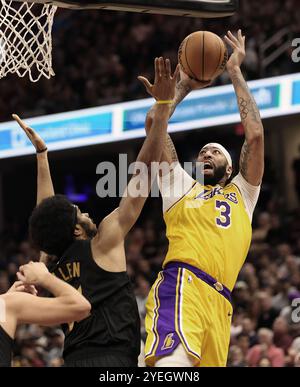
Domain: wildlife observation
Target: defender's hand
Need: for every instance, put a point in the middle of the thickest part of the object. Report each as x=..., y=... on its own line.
x=163, y=88
x=19, y=286
x=239, y=51
x=35, y=139
x=33, y=273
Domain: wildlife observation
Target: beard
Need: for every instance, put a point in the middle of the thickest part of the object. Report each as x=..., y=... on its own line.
x=219, y=173
x=89, y=229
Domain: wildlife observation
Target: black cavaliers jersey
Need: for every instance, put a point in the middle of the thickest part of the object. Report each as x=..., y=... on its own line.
x=114, y=325
x=6, y=345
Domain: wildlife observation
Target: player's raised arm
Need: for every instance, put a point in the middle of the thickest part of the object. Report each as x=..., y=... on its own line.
x=174, y=182
x=121, y=220
x=68, y=304
x=184, y=86
x=252, y=155
x=44, y=181
x=162, y=90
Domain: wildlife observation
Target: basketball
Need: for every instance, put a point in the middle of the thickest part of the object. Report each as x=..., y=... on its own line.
x=203, y=55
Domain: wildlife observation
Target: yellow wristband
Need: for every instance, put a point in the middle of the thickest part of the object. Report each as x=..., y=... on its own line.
x=166, y=102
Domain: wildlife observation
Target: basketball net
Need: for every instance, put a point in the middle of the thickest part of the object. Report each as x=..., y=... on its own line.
x=26, y=39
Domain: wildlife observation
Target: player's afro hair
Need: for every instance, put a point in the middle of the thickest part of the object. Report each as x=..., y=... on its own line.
x=52, y=224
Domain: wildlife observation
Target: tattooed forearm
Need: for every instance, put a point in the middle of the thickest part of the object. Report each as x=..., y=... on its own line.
x=182, y=90
x=252, y=154
x=248, y=108
x=171, y=148
x=244, y=159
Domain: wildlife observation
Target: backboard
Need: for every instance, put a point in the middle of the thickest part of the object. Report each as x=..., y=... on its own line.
x=195, y=8
x=26, y=26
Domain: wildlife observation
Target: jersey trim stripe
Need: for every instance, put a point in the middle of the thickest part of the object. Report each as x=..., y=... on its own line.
x=178, y=316
x=156, y=316
x=243, y=201
x=174, y=204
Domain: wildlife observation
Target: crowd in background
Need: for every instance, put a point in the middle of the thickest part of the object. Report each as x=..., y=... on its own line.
x=98, y=55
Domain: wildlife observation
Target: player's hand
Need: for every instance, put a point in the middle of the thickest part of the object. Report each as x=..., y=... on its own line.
x=35, y=139
x=190, y=83
x=163, y=88
x=33, y=273
x=239, y=51
x=19, y=286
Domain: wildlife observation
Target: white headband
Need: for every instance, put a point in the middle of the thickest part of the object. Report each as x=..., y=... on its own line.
x=221, y=149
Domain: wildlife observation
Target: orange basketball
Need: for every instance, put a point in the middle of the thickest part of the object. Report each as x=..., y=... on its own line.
x=203, y=55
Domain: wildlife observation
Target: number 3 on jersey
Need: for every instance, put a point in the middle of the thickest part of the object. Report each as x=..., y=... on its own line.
x=224, y=220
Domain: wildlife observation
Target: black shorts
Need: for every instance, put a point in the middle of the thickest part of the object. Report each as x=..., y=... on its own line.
x=107, y=360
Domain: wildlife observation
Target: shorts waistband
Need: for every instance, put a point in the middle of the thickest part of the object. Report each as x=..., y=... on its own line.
x=218, y=286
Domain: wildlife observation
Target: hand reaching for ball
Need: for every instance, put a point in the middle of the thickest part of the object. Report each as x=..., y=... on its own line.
x=239, y=51
x=163, y=88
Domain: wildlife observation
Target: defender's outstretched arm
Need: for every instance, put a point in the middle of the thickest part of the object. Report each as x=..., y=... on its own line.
x=183, y=87
x=44, y=181
x=115, y=226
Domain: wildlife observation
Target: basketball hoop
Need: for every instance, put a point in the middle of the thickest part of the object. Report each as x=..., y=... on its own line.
x=25, y=39
x=26, y=26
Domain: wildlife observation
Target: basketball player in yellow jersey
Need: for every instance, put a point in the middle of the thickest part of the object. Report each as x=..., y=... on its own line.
x=209, y=231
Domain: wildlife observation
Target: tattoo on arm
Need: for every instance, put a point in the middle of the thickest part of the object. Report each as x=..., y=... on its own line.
x=251, y=158
x=244, y=159
x=182, y=90
x=247, y=105
x=171, y=148
x=248, y=108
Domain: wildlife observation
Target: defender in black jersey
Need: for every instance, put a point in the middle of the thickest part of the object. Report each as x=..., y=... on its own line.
x=6, y=346
x=113, y=328
x=93, y=259
x=20, y=305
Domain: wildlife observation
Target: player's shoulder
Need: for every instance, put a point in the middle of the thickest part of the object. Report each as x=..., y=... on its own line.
x=231, y=185
x=107, y=225
x=12, y=297
x=12, y=300
x=236, y=183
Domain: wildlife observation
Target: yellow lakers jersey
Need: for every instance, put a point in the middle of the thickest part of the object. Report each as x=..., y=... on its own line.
x=210, y=229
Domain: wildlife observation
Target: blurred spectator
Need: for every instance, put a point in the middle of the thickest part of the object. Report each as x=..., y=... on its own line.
x=242, y=296
x=235, y=357
x=243, y=343
x=248, y=329
x=264, y=225
x=267, y=313
x=282, y=339
x=265, y=353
